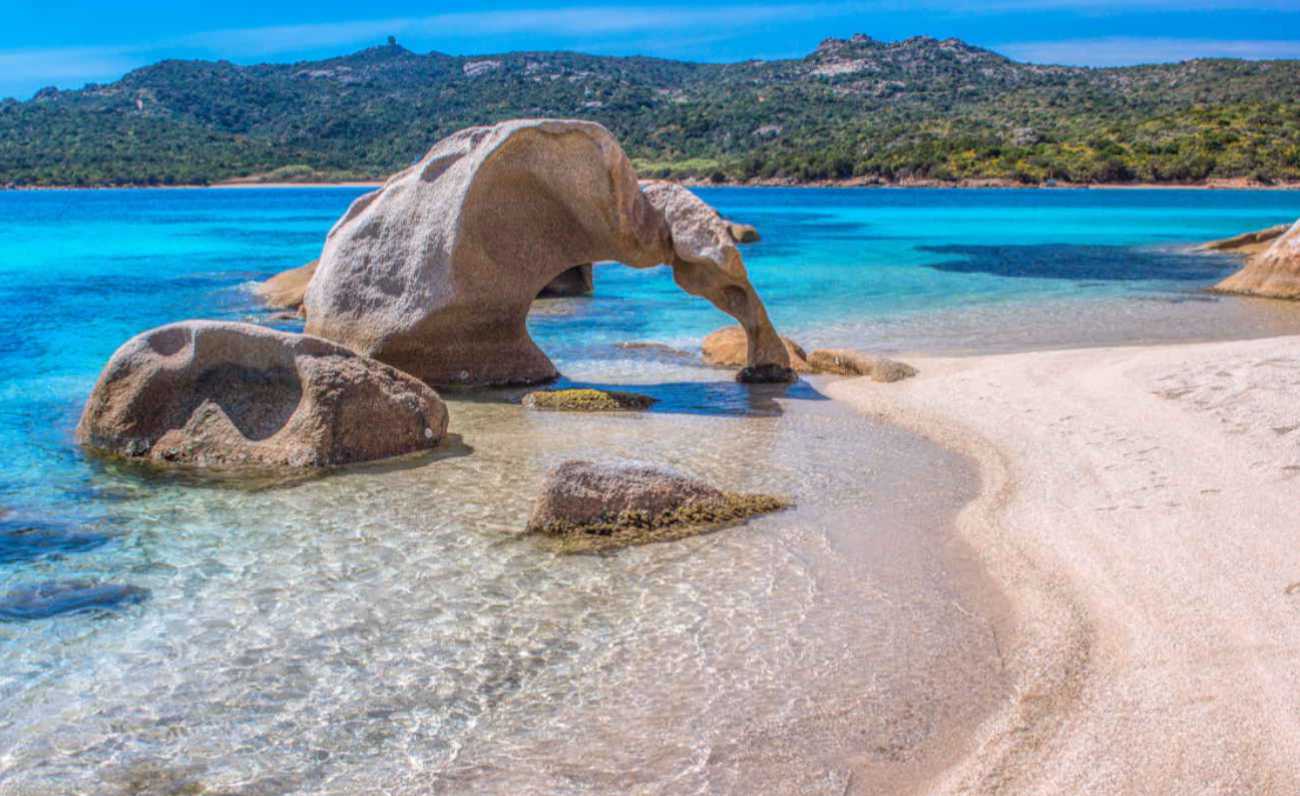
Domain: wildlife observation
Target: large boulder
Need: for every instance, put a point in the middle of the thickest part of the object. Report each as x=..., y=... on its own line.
x=286, y=290
x=587, y=506
x=728, y=347
x=232, y=394
x=434, y=272
x=1274, y=273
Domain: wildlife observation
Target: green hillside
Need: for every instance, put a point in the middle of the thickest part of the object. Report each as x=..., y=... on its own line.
x=855, y=108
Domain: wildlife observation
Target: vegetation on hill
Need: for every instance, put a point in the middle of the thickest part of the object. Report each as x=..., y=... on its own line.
x=918, y=109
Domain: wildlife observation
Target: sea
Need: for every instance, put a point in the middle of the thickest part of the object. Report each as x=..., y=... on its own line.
x=387, y=628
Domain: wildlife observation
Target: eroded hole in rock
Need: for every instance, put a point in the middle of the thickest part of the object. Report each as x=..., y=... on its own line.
x=258, y=402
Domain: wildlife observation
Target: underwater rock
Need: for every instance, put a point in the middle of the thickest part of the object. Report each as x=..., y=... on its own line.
x=853, y=363
x=656, y=349
x=587, y=507
x=214, y=394
x=24, y=541
x=434, y=272
x=66, y=596
x=587, y=400
x=1273, y=273
x=727, y=347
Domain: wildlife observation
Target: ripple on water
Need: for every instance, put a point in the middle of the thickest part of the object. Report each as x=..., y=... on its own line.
x=390, y=629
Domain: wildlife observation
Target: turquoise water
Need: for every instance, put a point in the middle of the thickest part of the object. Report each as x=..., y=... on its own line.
x=306, y=633
x=893, y=270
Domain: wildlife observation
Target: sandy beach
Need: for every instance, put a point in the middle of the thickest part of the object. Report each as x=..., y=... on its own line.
x=1138, y=505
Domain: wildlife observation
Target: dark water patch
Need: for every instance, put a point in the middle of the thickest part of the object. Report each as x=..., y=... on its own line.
x=27, y=540
x=54, y=598
x=1080, y=262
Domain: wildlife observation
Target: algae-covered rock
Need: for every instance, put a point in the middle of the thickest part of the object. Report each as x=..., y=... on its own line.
x=586, y=507
x=587, y=400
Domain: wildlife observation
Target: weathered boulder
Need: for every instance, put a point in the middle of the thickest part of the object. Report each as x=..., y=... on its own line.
x=215, y=394
x=577, y=281
x=286, y=289
x=853, y=363
x=743, y=233
x=590, y=506
x=728, y=348
x=1274, y=273
x=434, y=272
x=587, y=400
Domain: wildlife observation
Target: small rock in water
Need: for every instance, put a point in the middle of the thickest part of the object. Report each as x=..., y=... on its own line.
x=590, y=507
x=66, y=596
x=586, y=400
x=24, y=541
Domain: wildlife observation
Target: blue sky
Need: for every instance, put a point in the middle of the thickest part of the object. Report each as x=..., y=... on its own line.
x=67, y=43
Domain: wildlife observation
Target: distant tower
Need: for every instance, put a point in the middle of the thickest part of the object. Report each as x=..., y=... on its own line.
x=392, y=41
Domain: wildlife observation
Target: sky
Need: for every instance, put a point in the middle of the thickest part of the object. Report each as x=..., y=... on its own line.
x=67, y=43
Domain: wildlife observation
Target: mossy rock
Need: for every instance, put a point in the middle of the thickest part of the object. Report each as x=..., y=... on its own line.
x=630, y=528
x=587, y=400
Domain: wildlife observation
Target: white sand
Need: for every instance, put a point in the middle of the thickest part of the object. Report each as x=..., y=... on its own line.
x=1141, y=507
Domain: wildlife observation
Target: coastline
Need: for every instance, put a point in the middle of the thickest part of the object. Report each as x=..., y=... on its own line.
x=1133, y=508
x=985, y=184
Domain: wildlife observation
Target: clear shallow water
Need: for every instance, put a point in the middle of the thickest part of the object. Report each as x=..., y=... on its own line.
x=383, y=627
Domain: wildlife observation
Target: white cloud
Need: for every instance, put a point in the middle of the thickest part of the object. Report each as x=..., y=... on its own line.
x=1128, y=50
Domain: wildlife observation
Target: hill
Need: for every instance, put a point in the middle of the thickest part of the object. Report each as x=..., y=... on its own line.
x=917, y=109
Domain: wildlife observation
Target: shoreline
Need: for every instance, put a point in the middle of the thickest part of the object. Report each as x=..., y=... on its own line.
x=978, y=184
x=1128, y=621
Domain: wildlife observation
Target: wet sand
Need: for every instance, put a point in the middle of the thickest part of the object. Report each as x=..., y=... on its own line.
x=1138, y=507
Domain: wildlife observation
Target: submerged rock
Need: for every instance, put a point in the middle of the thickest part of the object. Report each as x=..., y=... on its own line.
x=232, y=394
x=853, y=363
x=727, y=348
x=67, y=596
x=25, y=541
x=577, y=281
x=1273, y=273
x=434, y=272
x=587, y=400
x=653, y=348
x=285, y=290
x=587, y=507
